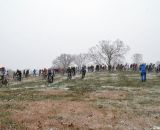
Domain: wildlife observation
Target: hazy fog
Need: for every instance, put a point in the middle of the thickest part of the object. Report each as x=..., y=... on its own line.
x=34, y=32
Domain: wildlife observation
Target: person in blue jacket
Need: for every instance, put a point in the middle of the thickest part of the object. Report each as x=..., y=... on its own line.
x=143, y=72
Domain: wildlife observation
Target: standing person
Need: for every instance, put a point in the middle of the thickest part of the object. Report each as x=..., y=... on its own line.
x=34, y=72
x=51, y=75
x=45, y=71
x=40, y=71
x=27, y=73
x=3, y=76
x=73, y=69
x=2, y=73
x=19, y=75
x=97, y=67
x=83, y=72
x=69, y=72
x=143, y=72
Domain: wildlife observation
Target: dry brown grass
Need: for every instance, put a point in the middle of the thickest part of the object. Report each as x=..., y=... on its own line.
x=66, y=114
x=106, y=108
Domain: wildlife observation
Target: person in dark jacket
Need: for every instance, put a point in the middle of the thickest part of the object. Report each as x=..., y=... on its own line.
x=69, y=72
x=83, y=72
x=19, y=75
x=51, y=75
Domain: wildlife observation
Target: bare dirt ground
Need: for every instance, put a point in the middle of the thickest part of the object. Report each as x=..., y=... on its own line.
x=66, y=114
x=108, y=107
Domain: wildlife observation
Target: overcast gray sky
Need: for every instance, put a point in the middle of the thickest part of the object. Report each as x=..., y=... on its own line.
x=34, y=32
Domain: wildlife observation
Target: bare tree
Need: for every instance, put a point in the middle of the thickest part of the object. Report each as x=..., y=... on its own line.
x=80, y=59
x=137, y=58
x=157, y=63
x=108, y=52
x=94, y=55
x=64, y=60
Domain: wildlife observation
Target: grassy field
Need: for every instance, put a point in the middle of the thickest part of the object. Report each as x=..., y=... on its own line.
x=102, y=101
